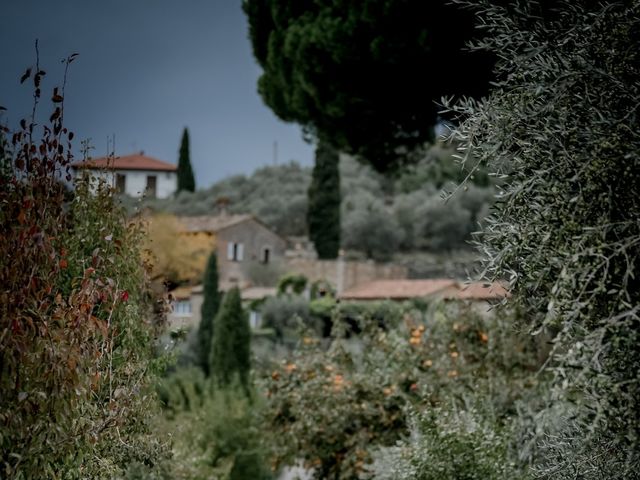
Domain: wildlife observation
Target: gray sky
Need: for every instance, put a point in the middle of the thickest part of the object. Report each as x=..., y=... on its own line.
x=147, y=69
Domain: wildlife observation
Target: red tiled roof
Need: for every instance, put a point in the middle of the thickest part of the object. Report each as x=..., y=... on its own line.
x=210, y=223
x=136, y=161
x=443, y=288
x=396, y=289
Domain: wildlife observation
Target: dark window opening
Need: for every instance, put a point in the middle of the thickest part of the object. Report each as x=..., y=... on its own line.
x=266, y=254
x=151, y=186
x=120, y=183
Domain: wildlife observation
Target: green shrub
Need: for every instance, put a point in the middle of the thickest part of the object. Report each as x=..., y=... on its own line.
x=333, y=405
x=286, y=315
x=77, y=316
x=292, y=283
x=230, y=356
x=216, y=433
x=449, y=444
x=561, y=130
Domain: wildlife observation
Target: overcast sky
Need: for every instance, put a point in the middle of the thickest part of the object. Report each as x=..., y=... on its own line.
x=145, y=70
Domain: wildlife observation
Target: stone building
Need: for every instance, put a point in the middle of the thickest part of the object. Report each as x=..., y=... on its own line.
x=240, y=241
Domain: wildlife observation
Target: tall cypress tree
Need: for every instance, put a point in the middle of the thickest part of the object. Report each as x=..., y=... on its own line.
x=323, y=214
x=231, y=345
x=185, y=172
x=209, y=309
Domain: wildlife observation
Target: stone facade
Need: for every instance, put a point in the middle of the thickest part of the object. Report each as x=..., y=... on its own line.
x=240, y=242
x=243, y=244
x=344, y=274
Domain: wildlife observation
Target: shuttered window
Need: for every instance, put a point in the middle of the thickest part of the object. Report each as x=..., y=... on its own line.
x=235, y=252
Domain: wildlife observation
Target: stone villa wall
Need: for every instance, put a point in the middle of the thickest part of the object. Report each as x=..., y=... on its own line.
x=344, y=274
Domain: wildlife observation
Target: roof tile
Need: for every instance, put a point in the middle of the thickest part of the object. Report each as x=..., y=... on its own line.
x=136, y=161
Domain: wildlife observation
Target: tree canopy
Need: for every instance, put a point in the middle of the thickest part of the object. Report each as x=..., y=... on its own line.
x=364, y=76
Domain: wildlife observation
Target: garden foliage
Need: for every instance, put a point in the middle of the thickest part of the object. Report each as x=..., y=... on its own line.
x=216, y=432
x=561, y=130
x=230, y=357
x=208, y=312
x=333, y=407
x=77, y=316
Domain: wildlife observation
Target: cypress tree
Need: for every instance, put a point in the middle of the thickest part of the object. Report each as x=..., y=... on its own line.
x=209, y=309
x=323, y=215
x=185, y=172
x=231, y=345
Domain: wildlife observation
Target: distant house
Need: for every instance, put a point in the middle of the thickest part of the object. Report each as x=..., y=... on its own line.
x=444, y=289
x=186, y=303
x=240, y=241
x=134, y=175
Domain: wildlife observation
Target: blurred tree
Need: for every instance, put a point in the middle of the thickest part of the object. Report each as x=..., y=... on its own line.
x=364, y=76
x=370, y=228
x=209, y=309
x=185, y=172
x=175, y=257
x=323, y=215
x=562, y=128
x=231, y=346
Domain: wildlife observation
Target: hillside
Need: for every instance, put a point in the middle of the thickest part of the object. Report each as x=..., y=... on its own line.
x=381, y=216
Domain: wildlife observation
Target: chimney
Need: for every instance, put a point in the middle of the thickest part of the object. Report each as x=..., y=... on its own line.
x=222, y=204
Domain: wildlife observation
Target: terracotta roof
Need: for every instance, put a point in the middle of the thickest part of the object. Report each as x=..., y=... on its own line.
x=397, y=289
x=136, y=161
x=250, y=293
x=476, y=291
x=209, y=223
x=443, y=288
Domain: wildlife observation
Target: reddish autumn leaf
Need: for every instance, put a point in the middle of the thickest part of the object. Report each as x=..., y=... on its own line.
x=63, y=263
x=124, y=296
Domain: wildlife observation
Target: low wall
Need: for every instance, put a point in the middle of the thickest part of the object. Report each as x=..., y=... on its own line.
x=344, y=274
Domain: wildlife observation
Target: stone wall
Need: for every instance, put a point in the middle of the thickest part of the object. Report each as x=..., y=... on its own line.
x=344, y=274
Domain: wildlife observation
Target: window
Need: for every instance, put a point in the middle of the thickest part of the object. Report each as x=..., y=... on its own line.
x=120, y=183
x=182, y=308
x=266, y=254
x=235, y=251
x=254, y=319
x=151, y=186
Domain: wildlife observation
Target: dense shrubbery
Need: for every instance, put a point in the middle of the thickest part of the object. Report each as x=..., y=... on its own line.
x=216, y=433
x=561, y=127
x=77, y=318
x=333, y=408
x=448, y=443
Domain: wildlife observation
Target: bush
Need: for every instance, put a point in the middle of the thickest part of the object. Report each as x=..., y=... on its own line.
x=448, y=444
x=77, y=316
x=215, y=433
x=286, y=315
x=561, y=129
x=334, y=406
